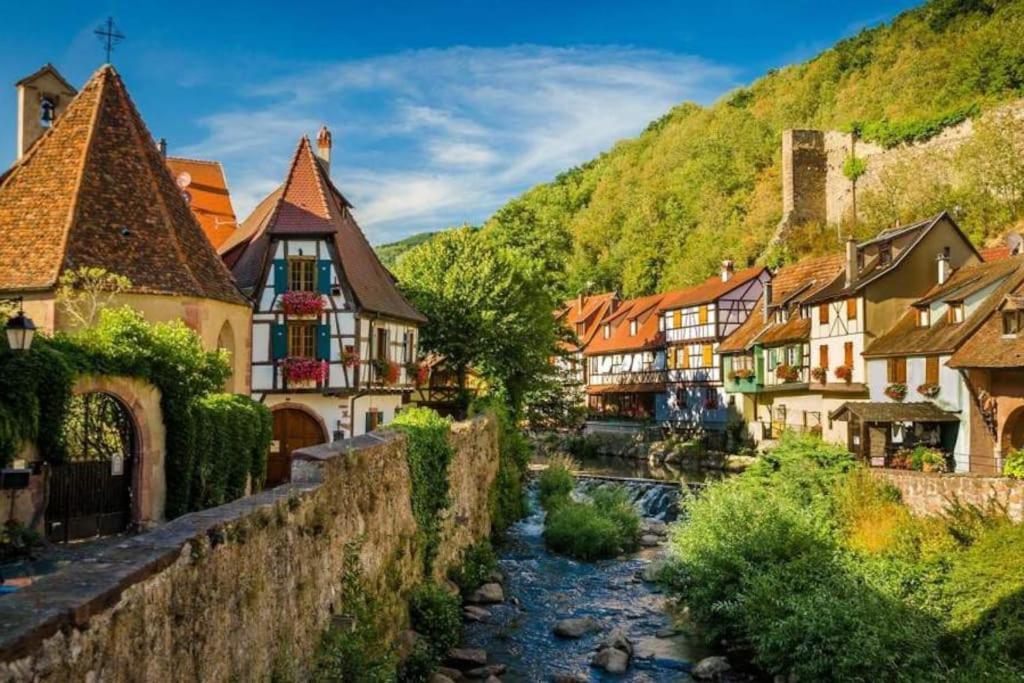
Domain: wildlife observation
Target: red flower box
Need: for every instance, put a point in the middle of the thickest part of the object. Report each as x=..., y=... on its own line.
x=845, y=373
x=897, y=391
x=302, y=303
x=820, y=374
x=350, y=358
x=300, y=370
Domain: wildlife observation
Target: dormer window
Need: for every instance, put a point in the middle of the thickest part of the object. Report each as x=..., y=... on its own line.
x=884, y=253
x=661, y=324
x=955, y=313
x=607, y=331
x=580, y=329
x=924, y=317
x=632, y=328
x=1013, y=322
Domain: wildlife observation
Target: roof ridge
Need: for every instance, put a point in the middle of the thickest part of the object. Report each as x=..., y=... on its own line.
x=212, y=162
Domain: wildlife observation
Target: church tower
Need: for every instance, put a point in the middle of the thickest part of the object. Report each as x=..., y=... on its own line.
x=42, y=97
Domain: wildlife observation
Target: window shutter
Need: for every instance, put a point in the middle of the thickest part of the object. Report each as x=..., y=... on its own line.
x=851, y=309
x=702, y=314
x=280, y=276
x=707, y=354
x=823, y=356
x=677, y=319
x=323, y=277
x=931, y=370
x=278, y=341
x=323, y=342
x=798, y=354
x=848, y=354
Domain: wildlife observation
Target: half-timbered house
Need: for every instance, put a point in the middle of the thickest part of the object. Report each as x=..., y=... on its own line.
x=334, y=345
x=695, y=321
x=581, y=317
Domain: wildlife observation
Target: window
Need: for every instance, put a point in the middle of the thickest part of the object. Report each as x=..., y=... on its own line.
x=851, y=309
x=710, y=398
x=382, y=344
x=848, y=354
x=581, y=329
x=408, y=347
x=47, y=109
x=897, y=371
x=924, y=317
x=707, y=355
x=632, y=328
x=302, y=340
x=372, y=419
x=823, y=314
x=696, y=356
x=302, y=274
x=702, y=315
x=823, y=356
x=931, y=370
x=955, y=313
x=684, y=357
x=661, y=324
x=1012, y=322
x=792, y=357
x=607, y=331
x=884, y=253
x=677, y=319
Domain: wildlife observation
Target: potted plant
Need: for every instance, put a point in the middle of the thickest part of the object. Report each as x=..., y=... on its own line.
x=740, y=374
x=928, y=390
x=386, y=371
x=304, y=372
x=302, y=304
x=929, y=460
x=422, y=375
x=787, y=373
x=897, y=391
x=845, y=373
x=819, y=374
x=350, y=357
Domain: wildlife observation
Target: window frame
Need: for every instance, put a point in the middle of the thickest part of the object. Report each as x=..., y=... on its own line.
x=297, y=275
x=896, y=370
x=823, y=314
x=309, y=337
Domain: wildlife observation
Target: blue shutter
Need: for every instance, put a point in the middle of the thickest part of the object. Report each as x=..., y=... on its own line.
x=280, y=276
x=278, y=341
x=323, y=342
x=323, y=277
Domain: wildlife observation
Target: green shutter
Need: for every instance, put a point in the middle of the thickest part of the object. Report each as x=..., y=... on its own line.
x=799, y=355
x=323, y=277
x=278, y=341
x=323, y=342
x=280, y=276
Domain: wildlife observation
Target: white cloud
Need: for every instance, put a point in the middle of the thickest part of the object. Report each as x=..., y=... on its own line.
x=430, y=138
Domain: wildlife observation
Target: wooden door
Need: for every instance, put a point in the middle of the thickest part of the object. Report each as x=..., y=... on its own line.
x=292, y=429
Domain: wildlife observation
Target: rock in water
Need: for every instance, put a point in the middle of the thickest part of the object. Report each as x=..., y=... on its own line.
x=569, y=678
x=575, y=628
x=486, y=672
x=474, y=613
x=487, y=594
x=467, y=657
x=611, y=660
x=710, y=668
x=617, y=640
x=650, y=540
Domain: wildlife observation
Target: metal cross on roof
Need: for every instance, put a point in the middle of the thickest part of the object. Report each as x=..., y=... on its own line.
x=109, y=36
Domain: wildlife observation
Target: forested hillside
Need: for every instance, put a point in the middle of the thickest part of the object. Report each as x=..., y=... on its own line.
x=703, y=183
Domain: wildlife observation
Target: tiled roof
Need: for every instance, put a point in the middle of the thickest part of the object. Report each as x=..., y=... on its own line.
x=745, y=333
x=587, y=310
x=648, y=335
x=867, y=411
x=988, y=347
x=709, y=290
x=94, y=191
x=206, y=190
x=942, y=336
x=995, y=253
x=796, y=328
x=309, y=204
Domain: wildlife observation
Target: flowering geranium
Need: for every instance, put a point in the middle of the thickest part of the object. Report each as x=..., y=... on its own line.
x=350, y=357
x=302, y=303
x=415, y=372
x=897, y=391
x=844, y=372
x=928, y=390
x=741, y=373
x=386, y=371
x=304, y=370
x=787, y=373
x=422, y=375
x=820, y=374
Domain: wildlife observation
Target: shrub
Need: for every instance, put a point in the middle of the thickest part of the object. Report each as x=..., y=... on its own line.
x=18, y=540
x=231, y=441
x=573, y=529
x=429, y=454
x=1014, y=465
x=556, y=482
x=612, y=502
x=478, y=561
x=507, y=498
x=436, y=614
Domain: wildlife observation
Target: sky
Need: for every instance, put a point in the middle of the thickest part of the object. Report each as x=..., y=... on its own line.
x=440, y=111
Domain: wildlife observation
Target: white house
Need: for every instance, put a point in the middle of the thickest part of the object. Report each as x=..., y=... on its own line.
x=334, y=343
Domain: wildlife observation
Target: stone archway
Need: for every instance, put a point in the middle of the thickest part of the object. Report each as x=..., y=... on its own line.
x=142, y=402
x=1012, y=435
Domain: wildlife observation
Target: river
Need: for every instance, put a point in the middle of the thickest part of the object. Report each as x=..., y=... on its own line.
x=550, y=587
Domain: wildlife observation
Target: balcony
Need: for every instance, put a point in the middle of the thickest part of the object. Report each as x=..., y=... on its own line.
x=627, y=379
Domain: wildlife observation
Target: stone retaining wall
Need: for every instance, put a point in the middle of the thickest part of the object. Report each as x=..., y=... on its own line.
x=243, y=591
x=930, y=494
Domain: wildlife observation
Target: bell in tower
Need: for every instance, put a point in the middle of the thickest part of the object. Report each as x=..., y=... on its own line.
x=42, y=98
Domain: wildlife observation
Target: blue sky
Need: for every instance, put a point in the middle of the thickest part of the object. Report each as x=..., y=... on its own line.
x=440, y=111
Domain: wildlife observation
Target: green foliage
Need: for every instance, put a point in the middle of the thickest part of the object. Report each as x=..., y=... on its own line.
x=355, y=647
x=507, y=500
x=35, y=389
x=604, y=527
x=436, y=614
x=816, y=569
x=892, y=133
x=556, y=482
x=390, y=253
x=854, y=168
x=1014, y=465
x=17, y=541
x=429, y=454
x=478, y=561
x=232, y=435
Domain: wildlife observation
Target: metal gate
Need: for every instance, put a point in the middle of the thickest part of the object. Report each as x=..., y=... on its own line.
x=90, y=494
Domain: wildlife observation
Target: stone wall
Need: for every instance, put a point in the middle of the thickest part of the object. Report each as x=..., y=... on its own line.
x=930, y=494
x=243, y=591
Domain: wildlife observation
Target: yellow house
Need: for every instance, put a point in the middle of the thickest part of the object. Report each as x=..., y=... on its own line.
x=90, y=189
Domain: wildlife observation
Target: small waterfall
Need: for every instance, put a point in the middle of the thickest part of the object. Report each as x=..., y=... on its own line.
x=653, y=500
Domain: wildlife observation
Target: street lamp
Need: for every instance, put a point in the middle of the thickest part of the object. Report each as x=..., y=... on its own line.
x=20, y=329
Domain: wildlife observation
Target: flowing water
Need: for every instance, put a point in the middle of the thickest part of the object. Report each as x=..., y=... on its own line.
x=550, y=587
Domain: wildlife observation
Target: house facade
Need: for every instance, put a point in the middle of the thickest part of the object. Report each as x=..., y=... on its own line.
x=581, y=317
x=695, y=322
x=334, y=343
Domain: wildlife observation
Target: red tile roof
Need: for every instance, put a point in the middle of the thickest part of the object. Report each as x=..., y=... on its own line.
x=644, y=311
x=308, y=203
x=587, y=311
x=206, y=190
x=94, y=191
x=998, y=253
x=709, y=290
x=988, y=347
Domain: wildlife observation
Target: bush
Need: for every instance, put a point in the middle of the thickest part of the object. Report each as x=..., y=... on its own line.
x=605, y=527
x=231, y=441
x=507, y=498
x=429, y=454
x=556, y=482
x=436, y=614
x=612, y=502
x=478, y=561
x=17, y=540
x=1014, y=465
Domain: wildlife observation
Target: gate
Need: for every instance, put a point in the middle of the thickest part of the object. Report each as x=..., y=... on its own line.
x=90, y=494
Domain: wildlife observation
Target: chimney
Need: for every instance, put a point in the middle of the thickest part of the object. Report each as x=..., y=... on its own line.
x=582, y=300
x=767, y=300
x=613, y=305
x=162, y=147
x=323, y=146
x=727, y=270
x=944, y=268
x=851, y=261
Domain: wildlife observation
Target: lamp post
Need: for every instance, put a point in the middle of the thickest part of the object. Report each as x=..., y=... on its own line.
x=20, y=328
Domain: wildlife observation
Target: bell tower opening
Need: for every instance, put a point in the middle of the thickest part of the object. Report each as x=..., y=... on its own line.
x=42, y=98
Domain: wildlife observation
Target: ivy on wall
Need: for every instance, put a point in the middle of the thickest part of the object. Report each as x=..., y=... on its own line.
x=213, y=441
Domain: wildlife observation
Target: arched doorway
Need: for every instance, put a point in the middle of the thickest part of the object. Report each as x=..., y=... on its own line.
x=294, y=428
x=1013, y=431
x=91, y=492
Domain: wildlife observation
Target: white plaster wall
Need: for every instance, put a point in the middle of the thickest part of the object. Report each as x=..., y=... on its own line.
x=340, y=409
x=835, y=334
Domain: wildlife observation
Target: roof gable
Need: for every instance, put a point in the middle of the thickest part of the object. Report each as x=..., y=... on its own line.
x=643, y=311
x=94, y=192
x=710, y=290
